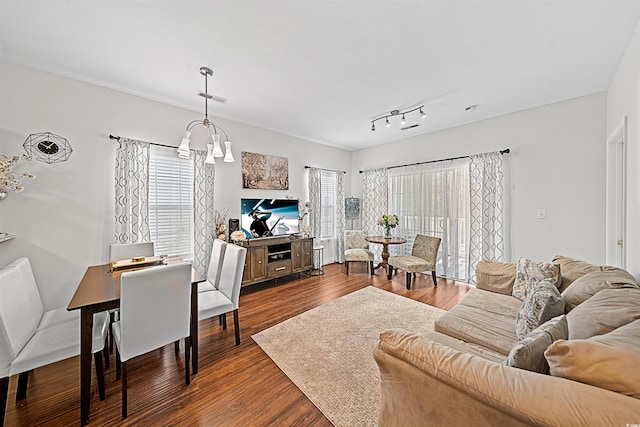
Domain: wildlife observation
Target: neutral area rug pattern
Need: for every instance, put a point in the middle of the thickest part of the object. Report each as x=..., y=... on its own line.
x=328, y=351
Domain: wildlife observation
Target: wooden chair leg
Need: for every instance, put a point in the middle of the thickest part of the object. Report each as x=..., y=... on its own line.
x=105, y=354
x=220, y=319
x=224, y=321
x=433, y=276
x=4, y=392
x=346, y=267
x=187, y=359
x=124, y=389
x=176, y=347
x=389, y=271
x=408, y=280
x=370, y=268
x=236, y=326
x=118, y=365
x=112, y=318
x=99, y=373
x=23, y=381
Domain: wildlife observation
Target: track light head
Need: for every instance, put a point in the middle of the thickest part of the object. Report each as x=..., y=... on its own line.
x=373, y=127
x=403, y=121
x=422, y=114
x=387, y=124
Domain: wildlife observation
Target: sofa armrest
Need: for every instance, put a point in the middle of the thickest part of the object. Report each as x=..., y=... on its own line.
x=496, y=276
x=425, y=380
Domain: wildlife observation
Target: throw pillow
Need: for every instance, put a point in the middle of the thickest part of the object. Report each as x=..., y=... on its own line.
x=596, y=364
x=626, y=336
x=605, y=311
x=528, y=353
x=541, y=304
x=496, y=276
x=588, y=285
x=530, y=272
x=573, y=269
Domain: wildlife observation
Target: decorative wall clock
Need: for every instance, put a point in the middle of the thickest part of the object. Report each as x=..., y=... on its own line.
x=47, y=147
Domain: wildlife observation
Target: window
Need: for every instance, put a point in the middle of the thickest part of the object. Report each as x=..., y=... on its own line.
x=433, y=200
x=171, y=203
x=328, y=205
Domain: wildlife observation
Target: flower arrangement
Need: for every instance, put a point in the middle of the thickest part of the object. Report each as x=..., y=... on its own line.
x=388, y=222
x=219, y=219
x=12, y=181
x=238, y=236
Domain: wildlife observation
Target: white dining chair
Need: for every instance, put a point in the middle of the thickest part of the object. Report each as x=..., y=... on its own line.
x=155, y=310
x=31, y=337
x=225, y=299
x=126, y=251
x=215, y=266
x=121, y=251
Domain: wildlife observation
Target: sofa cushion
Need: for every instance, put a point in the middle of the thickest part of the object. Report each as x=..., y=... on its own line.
x=483, y=318
x=543, y=302
x=496, y=276
x=465, y=347
x=588, y=285
x=529, y=272
x=597, y=364
x=605, y=311
x=528, y=353
x=572, y=269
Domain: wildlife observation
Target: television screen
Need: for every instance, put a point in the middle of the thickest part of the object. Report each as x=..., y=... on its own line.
x=269, y=217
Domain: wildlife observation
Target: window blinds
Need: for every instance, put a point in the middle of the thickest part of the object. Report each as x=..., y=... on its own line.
x=171, y=202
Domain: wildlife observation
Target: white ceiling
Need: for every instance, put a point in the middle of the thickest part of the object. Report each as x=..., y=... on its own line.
x=322, y=70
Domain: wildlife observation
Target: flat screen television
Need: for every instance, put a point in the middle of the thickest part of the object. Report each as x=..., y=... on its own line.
x=269, y=217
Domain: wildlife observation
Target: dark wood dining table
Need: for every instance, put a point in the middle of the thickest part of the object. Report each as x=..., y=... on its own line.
x=385, y=242
x=99, y=290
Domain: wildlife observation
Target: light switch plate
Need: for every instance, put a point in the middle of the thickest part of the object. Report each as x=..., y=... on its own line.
x=541, y=214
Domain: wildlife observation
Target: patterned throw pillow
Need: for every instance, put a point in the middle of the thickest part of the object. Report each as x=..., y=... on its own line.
x=528, y=353
x=530, y=272
x=541, y=304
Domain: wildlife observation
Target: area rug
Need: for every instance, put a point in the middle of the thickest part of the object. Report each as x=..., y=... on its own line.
x=328, y=351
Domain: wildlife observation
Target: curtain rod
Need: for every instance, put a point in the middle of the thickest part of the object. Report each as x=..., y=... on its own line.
x=322, y=169
x=505, y=151
x=117, y=138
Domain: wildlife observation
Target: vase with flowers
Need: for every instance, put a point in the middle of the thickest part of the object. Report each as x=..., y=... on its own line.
x=12, y=181
x=388, y=222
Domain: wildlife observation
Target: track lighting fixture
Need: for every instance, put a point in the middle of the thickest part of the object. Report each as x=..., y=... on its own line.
x=394, y=113
x=213, y=147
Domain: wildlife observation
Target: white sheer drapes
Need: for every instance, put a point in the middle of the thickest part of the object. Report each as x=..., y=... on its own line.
x=132, y=192
x=487, y=209
x=375, y=185
x=433, y=199
x=203, y=211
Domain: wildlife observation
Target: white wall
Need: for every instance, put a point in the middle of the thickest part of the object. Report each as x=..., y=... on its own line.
x=64, y=218
x=557, y=163
x=623, y=99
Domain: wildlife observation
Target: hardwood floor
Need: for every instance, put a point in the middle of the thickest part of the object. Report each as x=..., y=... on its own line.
x=236, y=386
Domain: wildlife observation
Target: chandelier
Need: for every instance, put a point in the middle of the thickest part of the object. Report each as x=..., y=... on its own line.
x=395, y=113
x=213, y=148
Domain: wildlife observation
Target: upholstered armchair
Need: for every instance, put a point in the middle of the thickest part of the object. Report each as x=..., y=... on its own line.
x=423, y=258
x=357, y=249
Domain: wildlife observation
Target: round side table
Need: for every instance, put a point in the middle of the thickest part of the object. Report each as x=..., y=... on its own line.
x=319, y=252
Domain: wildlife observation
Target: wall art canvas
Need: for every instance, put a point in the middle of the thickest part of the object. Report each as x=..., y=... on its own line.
x=264, y=171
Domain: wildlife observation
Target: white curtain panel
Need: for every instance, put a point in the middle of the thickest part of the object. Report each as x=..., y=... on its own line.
x=340, y=216
x=375, y=185
x=315, y=191
x=487, y=209
x=433, y=199
x=203, y=211
x=132, y=192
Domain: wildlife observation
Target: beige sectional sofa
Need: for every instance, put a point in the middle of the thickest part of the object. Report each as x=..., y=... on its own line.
x=579, y=368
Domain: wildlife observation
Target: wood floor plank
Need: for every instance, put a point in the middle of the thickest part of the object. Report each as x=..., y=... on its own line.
x=236, y=385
